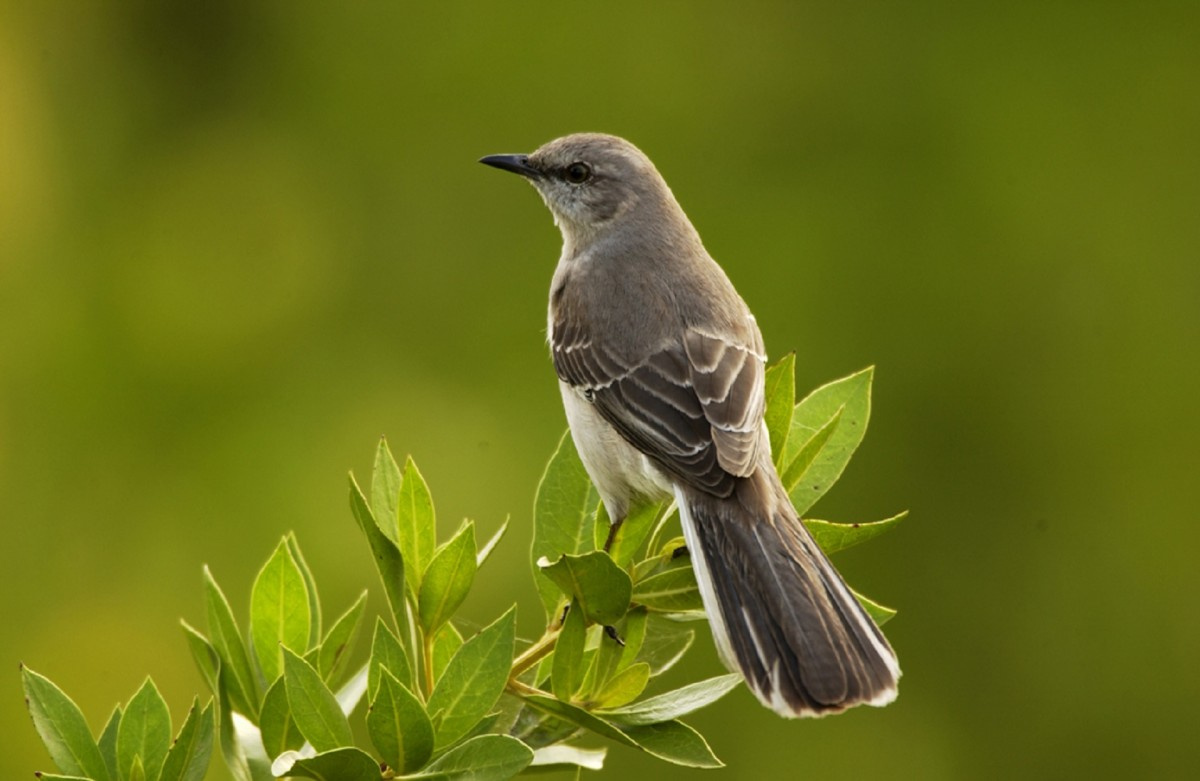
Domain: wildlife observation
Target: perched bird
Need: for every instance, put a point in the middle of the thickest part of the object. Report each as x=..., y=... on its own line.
x=660, y=365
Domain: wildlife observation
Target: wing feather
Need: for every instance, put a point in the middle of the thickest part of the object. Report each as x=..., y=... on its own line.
x=694, y=406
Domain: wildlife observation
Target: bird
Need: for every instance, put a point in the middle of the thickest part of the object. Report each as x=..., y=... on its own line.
x=661, y=366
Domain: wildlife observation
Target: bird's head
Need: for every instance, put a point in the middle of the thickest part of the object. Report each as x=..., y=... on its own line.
x=591, y=182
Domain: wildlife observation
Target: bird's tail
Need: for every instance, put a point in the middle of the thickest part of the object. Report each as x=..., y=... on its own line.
x=780, y=613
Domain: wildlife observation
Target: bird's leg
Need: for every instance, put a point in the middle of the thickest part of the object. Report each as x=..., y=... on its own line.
x=611, y=631
x=612, y=533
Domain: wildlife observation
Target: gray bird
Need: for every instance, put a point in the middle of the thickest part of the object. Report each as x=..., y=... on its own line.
x=660, y=365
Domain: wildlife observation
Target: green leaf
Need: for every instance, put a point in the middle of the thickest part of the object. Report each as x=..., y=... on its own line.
x=602, y=588
x=673, y=590
x=633, y=632
x=562, y=756
x=601, y=528
x=633, y=532
x=279, y=611
x=137, y=771
x=588, y=665
x=386, y=651
x=311, y=655
x=107, y=743
x=314, y=708
x=482, y=758
x=606, y=661
x=539, y=674
x=231, y=750
x=227, y=640
x=880, y=614
x=448, y=579
x=340, y=764
x=62, y=728
x=487, y=549
x=674, y=704
x=335, y=648
x=353, y=690
x=564, y=514
x=388, y=561
x=849, y=398
x=623, y=687
x=416, y=524
x=205, y=656
x=662, y=559
x=793, y=472
x=668, y=521
x=279, y=730
x=672, y=741
x=399, y=727
x=833, y=537
x=446, y=643
x=780, y=390
x=144, y=732
x=474, y=680
x=665, y=644
x=567, y=673
x=534, y=728
x=245, y=762
x=310, y=585
x=385, y=491
x=573, y=714
x=190, y=753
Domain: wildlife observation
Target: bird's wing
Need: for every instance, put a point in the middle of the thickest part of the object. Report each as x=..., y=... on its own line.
x=694, y=406
x=727, y=378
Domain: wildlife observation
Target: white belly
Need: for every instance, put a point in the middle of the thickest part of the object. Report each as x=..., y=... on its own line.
x=619, y=470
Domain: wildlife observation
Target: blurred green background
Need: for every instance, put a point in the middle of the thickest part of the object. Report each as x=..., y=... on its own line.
x=239, y=242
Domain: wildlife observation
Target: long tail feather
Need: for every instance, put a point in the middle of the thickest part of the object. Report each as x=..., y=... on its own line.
x=780, y=612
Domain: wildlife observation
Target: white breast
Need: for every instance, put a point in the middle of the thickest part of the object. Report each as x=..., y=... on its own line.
x=619, y=471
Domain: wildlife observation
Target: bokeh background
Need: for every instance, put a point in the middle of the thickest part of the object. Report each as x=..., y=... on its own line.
x=239, y=242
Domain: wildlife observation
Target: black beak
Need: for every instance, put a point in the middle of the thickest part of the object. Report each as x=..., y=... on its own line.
x=518, y=164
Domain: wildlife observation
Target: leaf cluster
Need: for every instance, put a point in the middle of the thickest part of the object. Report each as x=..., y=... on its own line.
x=436, y=702
x=135, y=744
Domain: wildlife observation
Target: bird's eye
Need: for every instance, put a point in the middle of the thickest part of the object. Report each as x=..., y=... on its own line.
x=578, y=173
